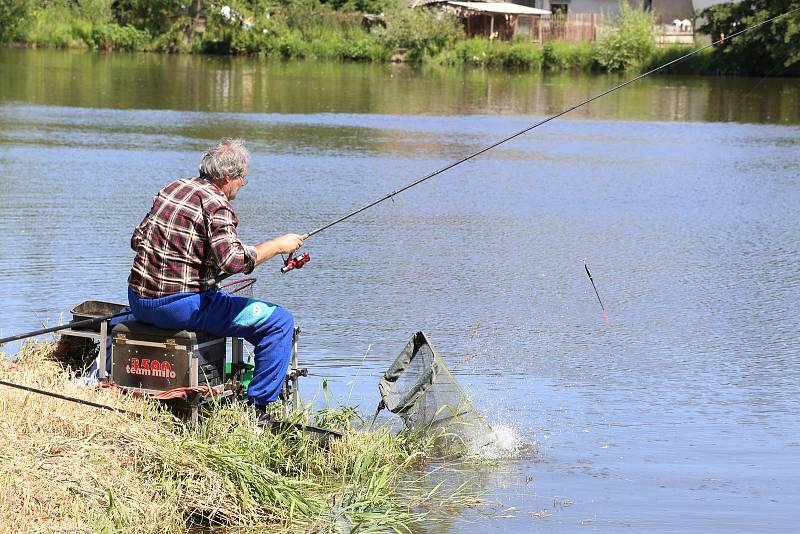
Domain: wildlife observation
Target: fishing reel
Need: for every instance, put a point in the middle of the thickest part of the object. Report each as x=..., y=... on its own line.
x=295, y=262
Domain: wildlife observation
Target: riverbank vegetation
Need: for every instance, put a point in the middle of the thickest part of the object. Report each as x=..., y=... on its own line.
x=71, y=468
x=337, y=30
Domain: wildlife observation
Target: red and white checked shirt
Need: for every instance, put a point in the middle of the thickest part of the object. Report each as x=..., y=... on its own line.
x=186, y=239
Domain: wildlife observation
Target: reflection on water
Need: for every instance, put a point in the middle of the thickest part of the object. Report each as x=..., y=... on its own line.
x=679, y=415
x=232, y=84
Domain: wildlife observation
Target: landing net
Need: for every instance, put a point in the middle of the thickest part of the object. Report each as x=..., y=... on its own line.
x=421, y=390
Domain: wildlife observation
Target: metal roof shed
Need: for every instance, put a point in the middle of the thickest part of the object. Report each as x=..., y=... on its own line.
x=494, y=19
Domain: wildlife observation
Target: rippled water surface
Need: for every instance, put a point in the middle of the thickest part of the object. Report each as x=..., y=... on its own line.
x=682, y=194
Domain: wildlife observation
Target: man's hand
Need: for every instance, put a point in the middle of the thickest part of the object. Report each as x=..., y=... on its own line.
x=289, y=243
x=285, y=244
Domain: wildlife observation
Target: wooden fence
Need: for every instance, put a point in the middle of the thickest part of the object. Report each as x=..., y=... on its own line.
x=573, y=27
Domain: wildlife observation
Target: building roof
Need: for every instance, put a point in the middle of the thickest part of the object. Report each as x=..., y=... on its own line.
x=505, y=8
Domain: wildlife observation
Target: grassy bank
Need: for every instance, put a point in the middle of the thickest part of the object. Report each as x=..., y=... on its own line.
x=67, y=467
x=310, y=29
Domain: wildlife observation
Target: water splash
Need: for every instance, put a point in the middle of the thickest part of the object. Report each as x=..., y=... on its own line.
x=502, y=443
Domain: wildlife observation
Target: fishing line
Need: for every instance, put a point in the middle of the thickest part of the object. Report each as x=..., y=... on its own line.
x=541, y=122
x=356, y=211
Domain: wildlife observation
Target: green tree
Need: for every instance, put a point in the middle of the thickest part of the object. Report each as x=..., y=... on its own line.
x=14, y=15
x=155, y=16
x=364, y=6
x=772, y=49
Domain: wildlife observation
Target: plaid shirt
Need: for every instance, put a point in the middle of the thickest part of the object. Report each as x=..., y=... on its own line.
x=186, y=239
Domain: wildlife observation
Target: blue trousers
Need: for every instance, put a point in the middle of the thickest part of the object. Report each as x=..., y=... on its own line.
x=267, y=327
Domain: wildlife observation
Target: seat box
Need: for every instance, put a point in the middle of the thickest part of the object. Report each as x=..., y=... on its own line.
x=149, y=358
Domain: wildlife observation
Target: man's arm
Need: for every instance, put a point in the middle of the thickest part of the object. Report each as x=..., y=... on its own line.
x=233, y=256
x=284, y=244
x=138, y=233
x=230, y=254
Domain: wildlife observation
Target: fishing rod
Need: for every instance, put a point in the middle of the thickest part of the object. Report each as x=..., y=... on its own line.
x=68, y=398
x=289, y=265
x=71, y=324
x=295, y=262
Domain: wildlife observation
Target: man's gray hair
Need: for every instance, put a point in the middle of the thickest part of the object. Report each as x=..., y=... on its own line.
x=229, y=156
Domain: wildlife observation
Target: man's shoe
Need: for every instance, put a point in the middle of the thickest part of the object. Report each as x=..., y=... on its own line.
x=264, y=416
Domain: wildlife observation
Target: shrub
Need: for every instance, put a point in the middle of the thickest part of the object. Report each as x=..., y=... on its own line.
x=629, y=42
x=53, y=28
x=151, y=15
x=701, y=63
x=116, y=37
x=481, y=52
x=516, y=55
x=422, y=32
x=363, y=48
x=292, y=45
x=14, y=17
x=470, y=52
x=558, y=55
x=175, y=38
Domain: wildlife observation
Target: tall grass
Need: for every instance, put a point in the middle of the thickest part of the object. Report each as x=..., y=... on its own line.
x=519, y=55
x=481, y=52
x=69, y=467
x=86, y=24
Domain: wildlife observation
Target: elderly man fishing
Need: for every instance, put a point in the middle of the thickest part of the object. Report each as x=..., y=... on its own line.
x=184, y=242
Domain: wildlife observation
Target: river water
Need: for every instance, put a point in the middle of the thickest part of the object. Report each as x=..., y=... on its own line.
x=681, y=193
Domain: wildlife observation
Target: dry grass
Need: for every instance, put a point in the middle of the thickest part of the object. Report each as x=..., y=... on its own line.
x=65, y=467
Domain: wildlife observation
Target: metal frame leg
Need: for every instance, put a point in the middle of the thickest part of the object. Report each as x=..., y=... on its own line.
x=294, y=366
x=101, y=355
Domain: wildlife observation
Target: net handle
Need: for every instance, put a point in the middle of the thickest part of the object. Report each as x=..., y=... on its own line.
x=241, y=285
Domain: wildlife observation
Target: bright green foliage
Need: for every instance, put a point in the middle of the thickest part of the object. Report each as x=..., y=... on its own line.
x=560, y=55
x=700, y=63
x=332, y=30
x=517, y=56
x=772, y=49
x=116, y=37
x=481, y=52
x=151, y=15
x=302, y=30
x=60, y=24
x=14, y=16
x=80, y=23
x=422, y=32
x=629, y=42
x=471, y=52
x=363, y=6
